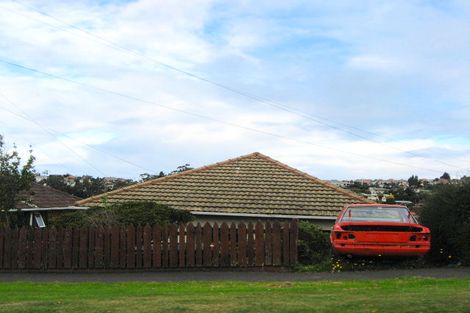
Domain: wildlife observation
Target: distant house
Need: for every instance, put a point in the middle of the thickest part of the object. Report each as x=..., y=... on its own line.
x=41, y=203
x=248, y=188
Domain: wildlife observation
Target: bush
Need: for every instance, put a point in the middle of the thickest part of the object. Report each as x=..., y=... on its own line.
x=136, y=213
x=447, y=213
x=313, y=244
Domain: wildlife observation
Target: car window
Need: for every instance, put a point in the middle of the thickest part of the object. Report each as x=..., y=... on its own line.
x=377, y=214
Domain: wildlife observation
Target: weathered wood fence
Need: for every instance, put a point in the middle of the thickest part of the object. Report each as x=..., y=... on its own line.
x=149, y=247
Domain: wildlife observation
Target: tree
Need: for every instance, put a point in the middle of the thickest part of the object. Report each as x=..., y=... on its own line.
x=179, y=169
x=15, y=176
x=136, y=213
x=413, y=182
x=447, y=213
x=445, y=176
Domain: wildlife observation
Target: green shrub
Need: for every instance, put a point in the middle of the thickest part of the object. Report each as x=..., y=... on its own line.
x=447, y=213
x=136, y=213
x=313, y=244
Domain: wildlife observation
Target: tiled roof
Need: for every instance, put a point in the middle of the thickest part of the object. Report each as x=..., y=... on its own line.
x=250, y=184
x=42, y=196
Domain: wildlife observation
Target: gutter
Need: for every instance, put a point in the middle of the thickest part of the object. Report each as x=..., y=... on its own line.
x=302, y=217
x=50, y=209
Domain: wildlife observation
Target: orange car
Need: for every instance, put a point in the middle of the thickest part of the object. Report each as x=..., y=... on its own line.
x=379, y=229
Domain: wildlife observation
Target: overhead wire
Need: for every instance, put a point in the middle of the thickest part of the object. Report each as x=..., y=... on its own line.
x=255, y=98
x=56, y=133
x=91, y=165
x=202, y=116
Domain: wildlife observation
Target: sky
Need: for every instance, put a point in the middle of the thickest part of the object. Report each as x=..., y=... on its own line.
x=338, y=89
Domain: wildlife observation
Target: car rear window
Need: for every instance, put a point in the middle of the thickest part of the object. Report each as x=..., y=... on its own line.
x=377, y=214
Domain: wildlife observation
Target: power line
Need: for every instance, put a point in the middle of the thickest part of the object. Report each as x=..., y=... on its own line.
x=202, y=116
x=255, y=98
x=27, y=117
x=52, y=134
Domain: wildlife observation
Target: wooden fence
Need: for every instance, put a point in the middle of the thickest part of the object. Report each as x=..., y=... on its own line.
x=149, y=247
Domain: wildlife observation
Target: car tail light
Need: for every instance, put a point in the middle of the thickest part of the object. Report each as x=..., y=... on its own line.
x=419, y=237
x=344, y=236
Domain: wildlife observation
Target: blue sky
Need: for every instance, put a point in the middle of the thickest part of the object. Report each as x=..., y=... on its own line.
x=367, y=88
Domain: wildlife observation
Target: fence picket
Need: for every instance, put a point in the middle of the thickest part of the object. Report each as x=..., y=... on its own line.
x=259, y=239
x=173, y=245
x=276, y=238
x=52, y=252
x=67, y=247
x=182, y=245
x=114, y=247
x=224, y=245
x=242, y=242
x=207, y=241
x=285, y=244
x=233, y=245
x=190, y=245
x=215, y=245
x=250, y=248
x=138, y=246
x=22, y=248
x=99, y=245
x=198, y=242
x=157, y=246
x=147, y=246
x=75, y=246
x=130, y=251
x=268, y=245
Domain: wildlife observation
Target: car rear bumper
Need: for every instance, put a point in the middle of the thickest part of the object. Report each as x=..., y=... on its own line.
x=378, y=249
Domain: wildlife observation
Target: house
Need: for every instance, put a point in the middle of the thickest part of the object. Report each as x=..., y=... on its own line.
x=248, y=188
x=41, y=203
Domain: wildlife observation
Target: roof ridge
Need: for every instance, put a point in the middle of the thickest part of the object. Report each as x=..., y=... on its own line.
x=165, y=178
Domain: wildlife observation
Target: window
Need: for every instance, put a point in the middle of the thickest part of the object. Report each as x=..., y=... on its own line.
x=39, y=220
x=377, y=214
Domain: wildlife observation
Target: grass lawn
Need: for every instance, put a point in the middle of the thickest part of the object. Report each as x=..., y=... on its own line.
x=393, y=295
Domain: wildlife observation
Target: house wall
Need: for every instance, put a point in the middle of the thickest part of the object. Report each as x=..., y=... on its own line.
x=211, y=219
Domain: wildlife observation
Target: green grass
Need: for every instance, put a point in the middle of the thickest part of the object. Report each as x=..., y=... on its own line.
x=393, y=295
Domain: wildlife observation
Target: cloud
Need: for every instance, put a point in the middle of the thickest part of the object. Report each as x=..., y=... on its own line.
x=394, y=69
